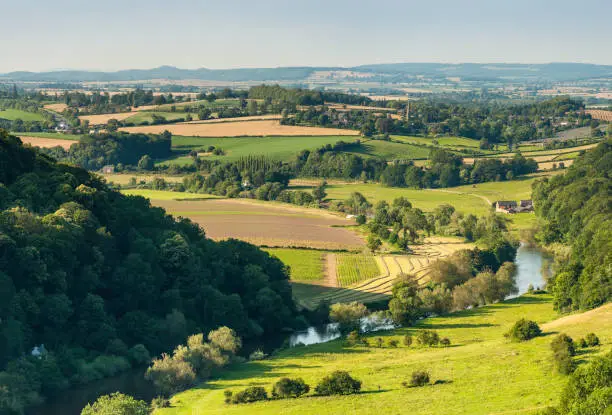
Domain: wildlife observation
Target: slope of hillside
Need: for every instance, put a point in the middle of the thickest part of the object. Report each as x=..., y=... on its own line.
x=482, y=372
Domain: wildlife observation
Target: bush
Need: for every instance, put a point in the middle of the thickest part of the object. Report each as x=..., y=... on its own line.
x=563, y=362
x=257, y=355
x=250, y=394
x=407, y=340
x=338, y=383
x=524, y=330
x=228, y=396
x=290, y=388
x=160, y=402
x=586, y=390
x=428, y=338
x=139, y=355
x=379, y=342
x=116, y=403
x=353, y=338
x=445, y=341
x=418, y=378
x=170, y=375
x=348, y=316
x=563, y=343
x=582, y=343
x=591, y=340
x=393, y=343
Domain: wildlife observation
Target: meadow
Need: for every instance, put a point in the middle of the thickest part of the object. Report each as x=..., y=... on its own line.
x=147, y=116
x=390, y=150
x=14, y=114
x=305, y=265
x=480, y=373
x=276, y=148
x=158, y=195
x=101, y=119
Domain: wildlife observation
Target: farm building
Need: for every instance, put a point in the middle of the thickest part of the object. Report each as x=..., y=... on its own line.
x=109, y=169
x=504, y=206
x=525, y=206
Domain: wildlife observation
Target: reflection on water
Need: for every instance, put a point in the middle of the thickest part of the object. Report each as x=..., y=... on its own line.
x=330, y=331
x=529, y=261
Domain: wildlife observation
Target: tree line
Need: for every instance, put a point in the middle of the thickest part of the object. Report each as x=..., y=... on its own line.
x=93, y=282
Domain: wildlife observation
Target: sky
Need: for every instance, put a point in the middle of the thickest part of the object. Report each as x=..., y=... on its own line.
x=42, y=35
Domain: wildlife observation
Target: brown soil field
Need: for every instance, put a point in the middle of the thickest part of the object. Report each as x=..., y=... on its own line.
x=100, y=119
x=600, y=114
x=238, y=129
x=266, y=223
x=56, y=107
x=47, y=142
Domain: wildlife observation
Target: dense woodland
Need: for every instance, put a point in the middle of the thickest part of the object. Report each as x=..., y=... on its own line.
x=577, y=212
x=105, y=280
x=491, y=124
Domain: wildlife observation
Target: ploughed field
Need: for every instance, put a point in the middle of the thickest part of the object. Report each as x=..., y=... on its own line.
x=267, y=224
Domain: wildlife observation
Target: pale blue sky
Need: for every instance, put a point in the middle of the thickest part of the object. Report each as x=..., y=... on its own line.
x=40, y=35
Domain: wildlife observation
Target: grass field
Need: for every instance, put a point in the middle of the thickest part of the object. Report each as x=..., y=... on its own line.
x=166, y=194
x=277, y=148
x=124, y=179
x=305, y=265
x=239, y=129
x=100, y=119
x=483, y=373
x=354, y=268
x=391, y=150
x=46, y=142
x=13, y=114
x=142, y=116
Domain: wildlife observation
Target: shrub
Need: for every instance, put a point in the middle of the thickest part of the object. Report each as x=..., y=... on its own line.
x=347, y=316
x=407, y=340
x=563, y=343
x=160, y=402
x=418, y=378
x=290, y=388
x=360, y=219
x=586, y=390
x=257, y=355
x=139, y=355
x=353, y=338
x=228, y=396
x=563, y=362
x=116, y=403
x=428, y=338
x=379, y=342
x=393, y=343
x=170, y=375
x=338, y=383
x=591, y=340
x=582, y=343
x=445, y=341
x=250, y=394
x=524, y=330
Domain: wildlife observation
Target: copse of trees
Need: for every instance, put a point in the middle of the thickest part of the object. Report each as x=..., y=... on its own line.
x=102, y=279
x=92, y=152
x=300, y=96
x=576, y=210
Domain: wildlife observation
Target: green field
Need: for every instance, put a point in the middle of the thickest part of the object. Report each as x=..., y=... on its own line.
x=482, y=372
x=277, y=148
x=305, y=265
x=13, y=114
x=390, y=150
x=166, y=194
x=354, y=268
x=450, y=142
x=147, y=116
x=219, y=103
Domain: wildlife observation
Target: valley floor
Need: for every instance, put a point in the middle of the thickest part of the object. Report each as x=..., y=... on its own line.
x=482, y=372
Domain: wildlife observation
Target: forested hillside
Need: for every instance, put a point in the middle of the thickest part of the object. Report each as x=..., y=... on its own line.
x=103, y=280
x=577, y=208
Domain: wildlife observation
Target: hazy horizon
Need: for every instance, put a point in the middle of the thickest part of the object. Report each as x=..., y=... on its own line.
x=190, y=34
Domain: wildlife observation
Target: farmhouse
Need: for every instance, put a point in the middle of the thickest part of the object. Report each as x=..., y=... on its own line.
x=503, y=206
x=108, y=169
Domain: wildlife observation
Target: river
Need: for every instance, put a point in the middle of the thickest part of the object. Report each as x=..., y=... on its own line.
x=529, y=261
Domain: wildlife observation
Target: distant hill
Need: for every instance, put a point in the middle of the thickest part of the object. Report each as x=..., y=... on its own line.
x=466, y=71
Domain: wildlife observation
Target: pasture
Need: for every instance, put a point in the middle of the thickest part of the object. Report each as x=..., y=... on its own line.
x=276, y=148
x=390, y=150
x=265, y=224
x=239, y=129
x=165, y=195
x=305, y=265
x=13, y=114
x=124, y=179
x=102, y=119
x=480, y=373
x=147, y=116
